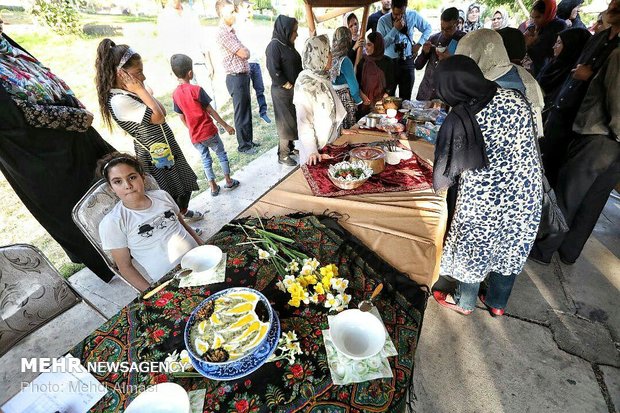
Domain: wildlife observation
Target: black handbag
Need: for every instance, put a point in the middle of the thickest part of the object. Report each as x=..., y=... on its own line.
x=552, y=219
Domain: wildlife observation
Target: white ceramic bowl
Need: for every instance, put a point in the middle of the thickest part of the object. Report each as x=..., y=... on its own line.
x=391, y=113
x=357, y=334
x=202, y=259
x=161, y=398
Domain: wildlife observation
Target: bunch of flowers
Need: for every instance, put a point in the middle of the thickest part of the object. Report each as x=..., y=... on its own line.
x=315, y=284
x=288, y=348
x=301, y=276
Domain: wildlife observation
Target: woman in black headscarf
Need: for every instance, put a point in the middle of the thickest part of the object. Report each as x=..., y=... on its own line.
x=568, y=10
x=566, y=51
x=487, y=144
x=284, y=65
x=48, y=149
x=514, y=42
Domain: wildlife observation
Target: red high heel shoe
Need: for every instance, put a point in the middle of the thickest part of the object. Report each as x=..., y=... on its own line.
x=440, y=297
x=495, y=312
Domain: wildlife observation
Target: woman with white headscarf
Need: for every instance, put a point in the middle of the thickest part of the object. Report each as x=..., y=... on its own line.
x=500, y=19
x=486, y=48
x=318, y=108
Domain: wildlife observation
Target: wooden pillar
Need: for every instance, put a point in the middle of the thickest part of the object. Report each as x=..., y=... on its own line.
x=310, y=19
x=358, y=56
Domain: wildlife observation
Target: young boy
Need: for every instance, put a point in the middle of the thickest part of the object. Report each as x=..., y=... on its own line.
x=192, y=104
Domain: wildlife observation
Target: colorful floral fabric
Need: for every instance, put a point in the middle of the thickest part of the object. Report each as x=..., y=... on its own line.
x=147, y=330
x=44, y=98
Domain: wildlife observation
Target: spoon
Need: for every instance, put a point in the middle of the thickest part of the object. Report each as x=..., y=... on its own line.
x=181, y=274
x=367, y=305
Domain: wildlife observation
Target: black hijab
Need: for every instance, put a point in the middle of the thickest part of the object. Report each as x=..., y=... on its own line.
x=557, y=70
x=514, y=42
x=460, y=146
x=282, y=29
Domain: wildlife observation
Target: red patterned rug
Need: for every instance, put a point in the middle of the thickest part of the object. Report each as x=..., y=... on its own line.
x=413, y=174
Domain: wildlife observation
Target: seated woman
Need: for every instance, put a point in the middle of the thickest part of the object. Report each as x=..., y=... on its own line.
x=342, y=76
x=487, y=145
x=486, y=48
x=375, y=72
x=145, y=226
x=315, y=98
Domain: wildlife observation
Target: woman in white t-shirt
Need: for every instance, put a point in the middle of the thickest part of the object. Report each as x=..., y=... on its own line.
x=144, y=226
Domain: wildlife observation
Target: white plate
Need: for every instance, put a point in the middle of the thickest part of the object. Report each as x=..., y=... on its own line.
x=202, y=259
x=161, y=398
x=357, y=334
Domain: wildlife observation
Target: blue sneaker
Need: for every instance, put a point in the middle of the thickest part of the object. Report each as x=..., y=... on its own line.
x=265, y=118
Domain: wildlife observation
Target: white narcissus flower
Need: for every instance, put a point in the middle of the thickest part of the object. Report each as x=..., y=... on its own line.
x=185, y=361
x=314, y=299
x=339, y=284
x=344, y=298
x=312, y=262
x=172, y=362
x=292, y=267
x=262, y=254
x=306, y=270
x=281, y=286
x=290, y=336
x=331, y=301
x=272, y=251
x=288, y=281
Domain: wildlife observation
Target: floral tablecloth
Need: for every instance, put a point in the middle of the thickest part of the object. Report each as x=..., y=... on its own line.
x=148, y=330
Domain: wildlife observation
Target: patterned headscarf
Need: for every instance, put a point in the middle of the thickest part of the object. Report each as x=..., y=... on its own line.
x=313, y=83
x=316, y=55
x=341, y=44
x=471, y=26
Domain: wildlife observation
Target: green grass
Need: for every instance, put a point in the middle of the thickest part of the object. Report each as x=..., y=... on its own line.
x=72, y=58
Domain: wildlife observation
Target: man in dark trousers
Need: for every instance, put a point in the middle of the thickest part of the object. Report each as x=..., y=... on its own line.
x=397, y=29
x=373, y=20
x=235, y=62
x=592, y=168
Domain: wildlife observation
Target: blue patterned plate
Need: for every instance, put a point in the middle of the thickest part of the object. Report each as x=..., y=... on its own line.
x=232, y=370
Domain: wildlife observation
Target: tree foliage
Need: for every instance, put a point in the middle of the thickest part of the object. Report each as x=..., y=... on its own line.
x=62, y=16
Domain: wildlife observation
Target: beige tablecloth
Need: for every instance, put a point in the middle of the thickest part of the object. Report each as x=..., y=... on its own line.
x=405, y=228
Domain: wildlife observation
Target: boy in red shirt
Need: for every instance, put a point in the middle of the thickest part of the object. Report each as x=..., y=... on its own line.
x=192, y=104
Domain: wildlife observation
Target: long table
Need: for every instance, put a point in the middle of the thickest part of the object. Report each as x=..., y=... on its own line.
x=406, y=229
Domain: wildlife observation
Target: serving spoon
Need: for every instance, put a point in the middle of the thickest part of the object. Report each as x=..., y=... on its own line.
x=367, y=305
x=184, y=272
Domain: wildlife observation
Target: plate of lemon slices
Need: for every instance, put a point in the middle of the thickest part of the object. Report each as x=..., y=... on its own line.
x=232, y=333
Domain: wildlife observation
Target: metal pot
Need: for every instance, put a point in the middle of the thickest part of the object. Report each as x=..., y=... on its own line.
x=372, y=120
x=372, y=156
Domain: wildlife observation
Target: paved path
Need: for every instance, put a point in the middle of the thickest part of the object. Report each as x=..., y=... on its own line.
x=556, y=350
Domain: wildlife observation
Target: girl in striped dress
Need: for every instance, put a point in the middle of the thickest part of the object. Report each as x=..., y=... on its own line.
x=124, y=98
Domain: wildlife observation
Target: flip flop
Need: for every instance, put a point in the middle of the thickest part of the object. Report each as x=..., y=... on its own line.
x=216, y=192
x=232, y=185
x=191, y=216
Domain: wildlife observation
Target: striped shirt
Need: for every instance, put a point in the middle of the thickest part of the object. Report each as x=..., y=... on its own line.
x=134, y=117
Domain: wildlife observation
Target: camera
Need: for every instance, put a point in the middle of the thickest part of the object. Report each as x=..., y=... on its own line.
x=400, y=48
